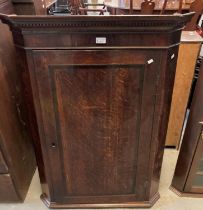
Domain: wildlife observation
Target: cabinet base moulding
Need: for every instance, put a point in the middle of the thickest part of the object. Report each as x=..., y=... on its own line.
x=136, y=204
x=185, y=194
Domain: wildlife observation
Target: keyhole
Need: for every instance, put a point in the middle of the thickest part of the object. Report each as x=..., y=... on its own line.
x=53, y=145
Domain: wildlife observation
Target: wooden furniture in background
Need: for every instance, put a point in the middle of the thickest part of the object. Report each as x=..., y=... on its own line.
x=27, y=7
x=187, y=57
x=197, y=7
x=179, y=8
x=32, y=7
x=188, y=176
x=79, y=7
x=102, y=98
x=116, y=7
x=17, y=161
x=147, y=7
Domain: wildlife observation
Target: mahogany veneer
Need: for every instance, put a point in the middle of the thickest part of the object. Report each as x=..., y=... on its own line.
x=102, y=89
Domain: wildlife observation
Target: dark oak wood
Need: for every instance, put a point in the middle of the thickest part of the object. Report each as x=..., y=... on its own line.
x=102, y=108
x=190, y=160
x=17, y=161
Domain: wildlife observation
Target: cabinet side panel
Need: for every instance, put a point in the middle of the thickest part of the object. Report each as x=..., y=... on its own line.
x=168, y=67
x=15, y=140
x=34, y=119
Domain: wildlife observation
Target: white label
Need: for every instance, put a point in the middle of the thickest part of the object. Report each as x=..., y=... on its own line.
x=150, y=61
x=100, y=40
x=172, y=56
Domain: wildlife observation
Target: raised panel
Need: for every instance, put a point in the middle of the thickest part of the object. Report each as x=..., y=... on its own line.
x=98, y=112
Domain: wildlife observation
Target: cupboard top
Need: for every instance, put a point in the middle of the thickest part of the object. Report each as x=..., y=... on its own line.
x=94, y=23
x=136, y=30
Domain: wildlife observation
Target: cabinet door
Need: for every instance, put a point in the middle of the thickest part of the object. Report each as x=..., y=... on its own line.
x=95, y=111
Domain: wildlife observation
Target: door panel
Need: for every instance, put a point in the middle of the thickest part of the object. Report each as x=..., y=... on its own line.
x=97, y=109
x=99, y=121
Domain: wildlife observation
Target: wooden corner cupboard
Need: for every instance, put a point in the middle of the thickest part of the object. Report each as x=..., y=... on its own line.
x=17, y=159
x=102, y=89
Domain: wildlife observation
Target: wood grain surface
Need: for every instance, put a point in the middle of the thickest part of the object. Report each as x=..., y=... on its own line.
x=187, y=56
